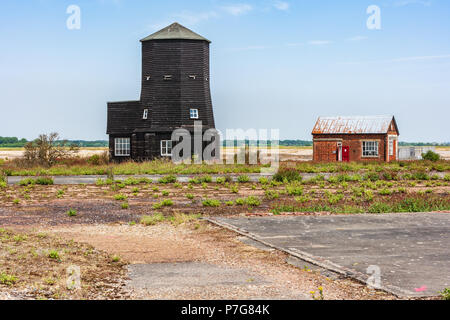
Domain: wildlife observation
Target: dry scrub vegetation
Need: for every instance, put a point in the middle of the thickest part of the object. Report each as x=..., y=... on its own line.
x=36, y=266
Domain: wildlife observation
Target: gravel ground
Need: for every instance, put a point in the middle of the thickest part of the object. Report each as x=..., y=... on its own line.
x=207, y=244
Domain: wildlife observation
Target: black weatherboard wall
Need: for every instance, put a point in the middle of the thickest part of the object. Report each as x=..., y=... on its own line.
x=175, y=79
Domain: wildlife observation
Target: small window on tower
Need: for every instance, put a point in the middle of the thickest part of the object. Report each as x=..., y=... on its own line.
x=145, y=116
x=194, y=113
x=193, y=77
x=167, y=77
x=148, y=78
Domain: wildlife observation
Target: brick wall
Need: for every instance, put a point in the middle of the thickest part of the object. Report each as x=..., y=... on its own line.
x=326, y=146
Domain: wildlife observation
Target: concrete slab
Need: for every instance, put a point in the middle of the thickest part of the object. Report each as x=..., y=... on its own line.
x=187, y=274
x=411, y=250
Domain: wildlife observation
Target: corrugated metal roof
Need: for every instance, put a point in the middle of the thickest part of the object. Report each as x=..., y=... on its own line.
x=353, y=124
x=175, y=31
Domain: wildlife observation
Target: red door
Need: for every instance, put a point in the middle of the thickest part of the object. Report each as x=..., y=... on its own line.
x=346, y=154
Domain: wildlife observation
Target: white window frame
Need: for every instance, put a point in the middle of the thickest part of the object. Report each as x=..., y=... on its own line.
x=193, y=113
x=166, y=148
x=122, y=147
x=374, y=147
x=145, y=115
x=391, y=147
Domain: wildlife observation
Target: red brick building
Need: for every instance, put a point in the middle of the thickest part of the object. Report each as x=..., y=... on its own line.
x=372, y=138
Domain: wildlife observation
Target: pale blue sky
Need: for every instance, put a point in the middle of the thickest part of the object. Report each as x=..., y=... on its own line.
x=274, y=64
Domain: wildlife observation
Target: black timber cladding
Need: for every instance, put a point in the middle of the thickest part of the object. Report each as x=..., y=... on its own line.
x=175, y=79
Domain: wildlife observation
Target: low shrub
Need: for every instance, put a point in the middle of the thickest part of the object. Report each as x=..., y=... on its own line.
x=431, y=156
x=168, y=179
x=120, y=197
x=445, y=294
x=7, y=279
x=152, y=220
x=164, y=203
x=72, y=213
x=287, y=174
x=243, y=179
x=211, y=203
x=201, y=180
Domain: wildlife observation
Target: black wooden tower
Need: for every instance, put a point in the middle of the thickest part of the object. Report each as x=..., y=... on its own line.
x=175, y=93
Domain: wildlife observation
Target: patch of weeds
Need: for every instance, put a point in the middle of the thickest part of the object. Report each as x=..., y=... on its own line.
x=177, y=185
x=421, y=176
x=229, y=203
x=7, y=279
x=302, y=199
x=380, y=207
x=16, y=201
x=54, y=255
x=385, y=192
x=211, y=203
x=372, y=176
x=190, y=196
x=153, y=219
x=120, y=197
x=401, y=190
x=125, y=206
x=445, y=294
x=19, y=238
x=164, y=203
x=294, y=190
x=135, y=190
x=168, y=179
x=250, y=201
x=263, y=180
x=181, y=218
x=288, y=174
x=368, y=195
x=201, y=180
x=221, y=180
x=72, y=213
x=243, y=179
x=234, y=189
x=319, y=296
x=165, y=193
x=272, y=194
x=115, y=258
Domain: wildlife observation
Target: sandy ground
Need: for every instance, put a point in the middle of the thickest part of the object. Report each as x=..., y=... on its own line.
x=286, y=154
x=14, y=154
x=260, y=274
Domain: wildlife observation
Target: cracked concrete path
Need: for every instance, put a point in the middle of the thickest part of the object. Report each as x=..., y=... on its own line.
x=411, y=250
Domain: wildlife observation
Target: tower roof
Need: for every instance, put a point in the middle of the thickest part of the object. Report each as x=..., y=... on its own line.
x=175, y=31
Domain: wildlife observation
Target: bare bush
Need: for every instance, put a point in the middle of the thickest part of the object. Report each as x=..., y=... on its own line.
x=48, y=149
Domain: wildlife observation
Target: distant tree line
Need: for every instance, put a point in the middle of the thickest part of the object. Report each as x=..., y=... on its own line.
x=13, y=142
x=423, y=144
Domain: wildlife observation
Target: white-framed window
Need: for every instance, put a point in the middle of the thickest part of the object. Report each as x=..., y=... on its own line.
x=168, y=77
x=391, y=147
x=122, y=147
x=145, y=115
x=166, y=148
x=370, y=149
x=194, y=113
